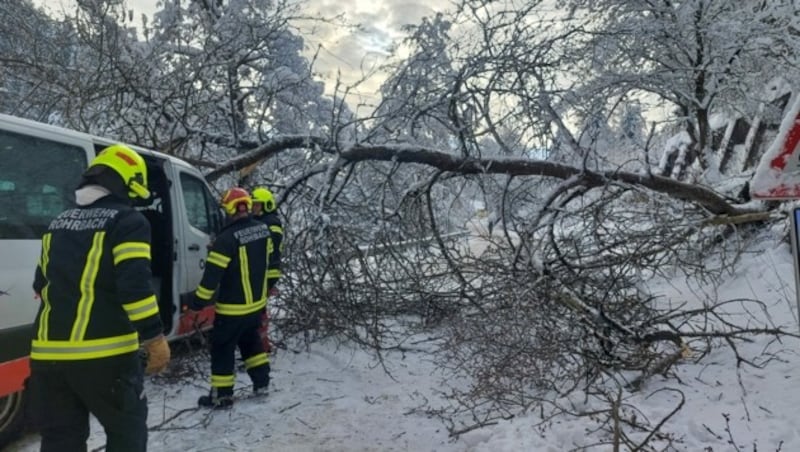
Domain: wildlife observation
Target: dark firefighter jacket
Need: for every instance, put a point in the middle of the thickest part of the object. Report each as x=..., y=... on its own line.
x=276, y=231
x=237, y=264
x=94, y=280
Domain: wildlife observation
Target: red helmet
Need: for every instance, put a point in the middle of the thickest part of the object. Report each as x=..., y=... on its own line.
x=234, y=198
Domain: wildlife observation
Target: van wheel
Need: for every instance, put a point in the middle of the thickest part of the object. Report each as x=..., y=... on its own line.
x=12, y=416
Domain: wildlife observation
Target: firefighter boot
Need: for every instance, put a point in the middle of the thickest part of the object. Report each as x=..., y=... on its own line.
x=217, y=398
x=260, y=377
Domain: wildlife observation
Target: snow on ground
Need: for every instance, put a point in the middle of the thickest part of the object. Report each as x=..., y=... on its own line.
x=331, y=398
x=323, y=399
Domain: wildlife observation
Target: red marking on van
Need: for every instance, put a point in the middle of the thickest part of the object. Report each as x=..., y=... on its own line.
x=192, y=321
x=13, y=374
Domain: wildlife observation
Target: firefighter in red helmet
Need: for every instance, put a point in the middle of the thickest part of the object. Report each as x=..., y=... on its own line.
x=97, y=307
x=236, y=270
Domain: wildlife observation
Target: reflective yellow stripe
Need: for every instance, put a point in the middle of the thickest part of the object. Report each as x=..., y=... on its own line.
x=239, y=309
x=256, y=360
x=203, y=293
x=131, y=250
x=84, y=310
x=266, y=274
x=274, y=273
x=86, y=349
x=222, y=381
x=244, y=267
x=45, y=257
x=276, y=229
x=220, y=260
x=142, y=309
x=264, y=292
x=44, y=319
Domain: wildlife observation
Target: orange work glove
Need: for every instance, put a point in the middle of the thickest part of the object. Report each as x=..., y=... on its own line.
x=158, y=354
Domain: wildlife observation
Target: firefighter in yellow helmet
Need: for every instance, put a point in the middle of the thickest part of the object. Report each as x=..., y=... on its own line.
x=97, y=308
x=236, y=270
x=265, y=210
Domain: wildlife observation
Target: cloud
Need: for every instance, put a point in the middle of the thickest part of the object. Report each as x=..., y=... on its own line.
x=375, y=26
x=348, y=49
x=410, y=13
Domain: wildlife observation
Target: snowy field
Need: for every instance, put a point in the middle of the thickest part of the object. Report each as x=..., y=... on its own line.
x=330, y=398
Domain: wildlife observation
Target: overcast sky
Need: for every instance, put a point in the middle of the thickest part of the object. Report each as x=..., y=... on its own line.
x=352, y=54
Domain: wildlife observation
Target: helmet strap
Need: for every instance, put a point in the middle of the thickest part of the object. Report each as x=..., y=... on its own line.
x=138, y=190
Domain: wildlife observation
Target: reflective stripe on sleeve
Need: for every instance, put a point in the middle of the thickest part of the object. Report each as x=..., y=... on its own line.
x=131, y=250
x=203, y=293
x=44, y=318
x=84, y=349
x=274, y=273
x=220, y=260
x=45, y=257
x=141, y=309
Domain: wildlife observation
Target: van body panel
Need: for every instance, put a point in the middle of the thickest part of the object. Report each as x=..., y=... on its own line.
x=17, y=266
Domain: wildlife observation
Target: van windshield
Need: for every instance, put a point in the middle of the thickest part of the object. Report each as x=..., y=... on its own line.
x=37, y=181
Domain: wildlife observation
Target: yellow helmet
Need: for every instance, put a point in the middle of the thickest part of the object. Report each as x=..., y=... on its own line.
x=129, y=165
x=263, y=195
x=233, y=198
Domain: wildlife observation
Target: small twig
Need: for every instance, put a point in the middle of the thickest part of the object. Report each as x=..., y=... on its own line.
x=305, y=423
x=731, y=441
x=173, y=417
x=708, y=429
x=283, y=410
x=664, y=420
x=456, y=433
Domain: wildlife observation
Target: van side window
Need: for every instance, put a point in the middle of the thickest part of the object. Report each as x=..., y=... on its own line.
x=198, y=204
x=38, y=178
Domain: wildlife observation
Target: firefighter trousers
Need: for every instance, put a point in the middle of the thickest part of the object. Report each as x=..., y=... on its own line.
x=63, y=393
x=230, y=332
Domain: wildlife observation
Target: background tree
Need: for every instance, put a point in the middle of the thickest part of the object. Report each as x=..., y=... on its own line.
x=693, y=58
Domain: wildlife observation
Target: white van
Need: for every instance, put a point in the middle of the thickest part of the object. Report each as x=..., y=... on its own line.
x=40, y=166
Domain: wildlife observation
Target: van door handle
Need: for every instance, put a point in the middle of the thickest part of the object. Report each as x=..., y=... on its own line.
x=194, y=247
